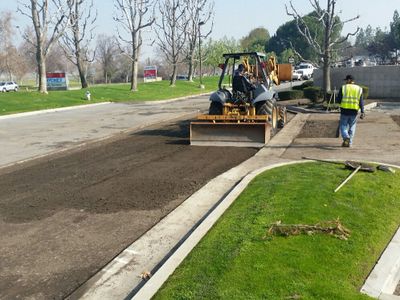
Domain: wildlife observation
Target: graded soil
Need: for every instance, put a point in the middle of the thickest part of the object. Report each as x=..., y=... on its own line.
x=62, y=218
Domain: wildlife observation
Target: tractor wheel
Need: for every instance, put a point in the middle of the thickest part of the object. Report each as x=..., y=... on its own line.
x=215, y=108
x=282, y=118
x=269, y=108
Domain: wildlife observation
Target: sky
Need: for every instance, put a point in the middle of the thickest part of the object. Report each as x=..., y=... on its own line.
x=236, y=18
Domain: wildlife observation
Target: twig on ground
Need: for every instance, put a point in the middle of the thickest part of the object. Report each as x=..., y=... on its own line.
x=334, y=228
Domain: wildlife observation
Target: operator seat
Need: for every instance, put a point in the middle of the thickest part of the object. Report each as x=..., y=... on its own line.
x=242, y=88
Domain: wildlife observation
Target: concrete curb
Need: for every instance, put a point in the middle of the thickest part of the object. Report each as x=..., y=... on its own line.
x=371, y=106
x=157, y=280
x=175, y=99
x=46, y=111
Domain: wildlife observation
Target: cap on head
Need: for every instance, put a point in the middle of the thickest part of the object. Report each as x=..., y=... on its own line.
x=241, y=67
x=349, y=78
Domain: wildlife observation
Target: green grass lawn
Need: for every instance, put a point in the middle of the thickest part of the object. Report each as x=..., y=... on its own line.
x=236, y=261
x=24, y=101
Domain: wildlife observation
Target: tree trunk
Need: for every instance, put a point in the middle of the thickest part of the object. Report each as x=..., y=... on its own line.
x=134, y=75
x=191, y=69
x=79, y=64
x=173, y=76
x=191, y=63
x=326, y=83
x=327, y=56
x=82, y=75
x=41, y=71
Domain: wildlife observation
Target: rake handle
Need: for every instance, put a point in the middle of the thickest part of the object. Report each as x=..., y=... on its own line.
x=348, y=178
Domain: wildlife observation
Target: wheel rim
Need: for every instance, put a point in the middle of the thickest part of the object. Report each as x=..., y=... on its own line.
x=274, y=118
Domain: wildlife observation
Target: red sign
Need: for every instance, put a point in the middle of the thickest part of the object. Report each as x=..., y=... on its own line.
x=55, y=75
x=150, y=72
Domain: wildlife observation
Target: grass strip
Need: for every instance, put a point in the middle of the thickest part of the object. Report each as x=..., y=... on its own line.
x=237, y=260
x=24, y=101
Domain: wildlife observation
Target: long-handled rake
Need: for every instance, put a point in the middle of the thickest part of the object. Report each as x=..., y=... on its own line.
x=352, y=165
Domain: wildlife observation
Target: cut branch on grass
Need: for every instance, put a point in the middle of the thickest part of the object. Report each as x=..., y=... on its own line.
x=334, y=228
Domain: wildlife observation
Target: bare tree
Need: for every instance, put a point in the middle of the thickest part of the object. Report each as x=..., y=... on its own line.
x=198, y=13
x=26, y=59
x=171, y=36
x=55, y=60
x=134, y=16
x=106, y=49
x=50, y=19
x=329, y=21
x=7, y=49
x=79, y=35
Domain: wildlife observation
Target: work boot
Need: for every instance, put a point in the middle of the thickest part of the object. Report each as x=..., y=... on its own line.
x=346, y=143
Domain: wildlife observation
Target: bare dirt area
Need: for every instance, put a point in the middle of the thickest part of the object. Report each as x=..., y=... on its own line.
x=319, y=129
x=62, y=218
x=396, y=119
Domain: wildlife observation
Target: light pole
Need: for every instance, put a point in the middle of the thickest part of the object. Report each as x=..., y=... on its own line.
x=201, y=23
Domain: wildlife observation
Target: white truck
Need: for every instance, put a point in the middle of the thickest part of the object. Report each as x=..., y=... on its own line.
x=306, y=70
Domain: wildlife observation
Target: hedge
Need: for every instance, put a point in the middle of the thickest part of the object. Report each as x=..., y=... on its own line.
x=313, y=93
x=290, y=95
x=304, y=85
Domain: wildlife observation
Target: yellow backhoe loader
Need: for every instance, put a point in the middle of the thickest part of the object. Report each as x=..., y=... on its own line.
x=243, y=112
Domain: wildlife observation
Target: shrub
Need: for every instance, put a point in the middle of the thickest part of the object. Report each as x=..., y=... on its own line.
x=313, y=93
x=365, y=91
x=289, y=95
x=304, y=85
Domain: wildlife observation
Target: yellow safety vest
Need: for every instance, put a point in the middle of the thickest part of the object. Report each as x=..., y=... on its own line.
x=351, y=96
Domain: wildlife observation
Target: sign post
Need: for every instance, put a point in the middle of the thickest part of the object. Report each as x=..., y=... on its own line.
x=291, y=61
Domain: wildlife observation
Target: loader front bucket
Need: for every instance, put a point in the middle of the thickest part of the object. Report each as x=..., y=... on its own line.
x=229, y=134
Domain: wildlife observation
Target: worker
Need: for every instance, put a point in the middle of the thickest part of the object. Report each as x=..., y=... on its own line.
x=240, y=82
x=351, y=101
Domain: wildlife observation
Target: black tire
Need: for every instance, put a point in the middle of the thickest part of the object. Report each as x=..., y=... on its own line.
x=215, y=108
x=282, y=118
x=269, y=108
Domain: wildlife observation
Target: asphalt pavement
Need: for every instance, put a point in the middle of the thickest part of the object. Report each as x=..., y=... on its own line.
x=27, y=136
